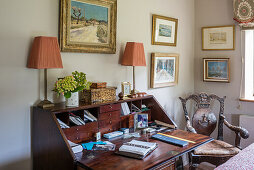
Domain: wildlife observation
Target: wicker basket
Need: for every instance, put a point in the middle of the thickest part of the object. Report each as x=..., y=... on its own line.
x=98, y=95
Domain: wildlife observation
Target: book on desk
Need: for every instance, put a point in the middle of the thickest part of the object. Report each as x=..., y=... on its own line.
x=136, y=149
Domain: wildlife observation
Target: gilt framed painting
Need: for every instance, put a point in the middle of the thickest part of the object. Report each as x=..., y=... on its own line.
x=164, y=30
x=88, y=26
x=164, y=70
x=218, y=38
x=216, y=69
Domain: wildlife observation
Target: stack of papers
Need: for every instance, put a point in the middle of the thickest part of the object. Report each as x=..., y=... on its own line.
x=75, y=147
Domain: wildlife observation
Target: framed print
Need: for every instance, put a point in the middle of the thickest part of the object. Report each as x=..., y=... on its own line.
x=164, y=30
x=164, y=70
x=140, y=120
x=126, y=88
x=218, y=38
x=216, y=69
x=88, y=26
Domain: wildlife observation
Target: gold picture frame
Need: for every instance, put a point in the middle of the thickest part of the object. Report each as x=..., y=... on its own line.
x=126, y=88
x=218, y=38
x=83, y=30
x=216, y=70
x=164, y=30
x=164, y=70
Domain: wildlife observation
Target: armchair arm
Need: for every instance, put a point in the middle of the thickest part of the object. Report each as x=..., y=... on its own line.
x=188, y=125
x=237, y=129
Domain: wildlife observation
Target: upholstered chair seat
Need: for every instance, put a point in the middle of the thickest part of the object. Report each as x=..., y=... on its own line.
x=216, y=147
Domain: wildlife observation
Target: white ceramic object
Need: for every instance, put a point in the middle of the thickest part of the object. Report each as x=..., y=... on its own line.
x=73, y=100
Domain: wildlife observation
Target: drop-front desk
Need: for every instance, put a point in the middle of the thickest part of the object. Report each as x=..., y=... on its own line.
x=51, y=151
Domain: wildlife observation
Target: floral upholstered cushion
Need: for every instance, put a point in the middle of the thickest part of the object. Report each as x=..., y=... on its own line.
x=216, y=147
x=243, y=160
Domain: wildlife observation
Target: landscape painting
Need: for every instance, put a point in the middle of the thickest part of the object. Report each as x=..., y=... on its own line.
x=164, y=70
x=164, y=30
x=88, y=26
x=218, y=38
x=89, y=23
x=216, y=70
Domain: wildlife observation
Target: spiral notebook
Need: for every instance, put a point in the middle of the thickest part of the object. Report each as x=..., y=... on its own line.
x=136, y=149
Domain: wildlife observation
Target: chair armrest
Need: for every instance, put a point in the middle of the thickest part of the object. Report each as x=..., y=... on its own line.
x=188, y=125
x=237, y=129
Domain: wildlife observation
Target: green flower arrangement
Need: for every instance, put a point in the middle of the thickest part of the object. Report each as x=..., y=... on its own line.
x=71, y=84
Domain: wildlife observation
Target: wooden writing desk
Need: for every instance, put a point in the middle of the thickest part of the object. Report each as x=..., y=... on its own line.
x=51, y=151
x=162, y=157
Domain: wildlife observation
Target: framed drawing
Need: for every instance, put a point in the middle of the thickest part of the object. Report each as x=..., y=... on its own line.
x=164, y=70
x=88, y=26
x=126, y=88
x=216, y=69
x=164, y=30
x=218, y=38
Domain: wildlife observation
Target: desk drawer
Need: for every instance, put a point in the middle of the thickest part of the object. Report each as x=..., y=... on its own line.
x=110, y=108
x=81, y=133
x=115, y=115
x=169, y=165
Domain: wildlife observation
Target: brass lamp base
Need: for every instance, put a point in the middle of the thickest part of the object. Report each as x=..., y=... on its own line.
x=45, y=104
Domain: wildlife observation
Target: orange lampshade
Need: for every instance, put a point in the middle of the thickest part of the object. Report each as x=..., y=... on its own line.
x=134, y=55
x=45, y=53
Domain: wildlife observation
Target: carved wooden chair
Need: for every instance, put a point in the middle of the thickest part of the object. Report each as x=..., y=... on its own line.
x=204, y=122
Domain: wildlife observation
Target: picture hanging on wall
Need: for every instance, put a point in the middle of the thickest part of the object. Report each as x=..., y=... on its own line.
x=164, y=30
x=164, y=70
x=216, y=69
x=88, y=26
x=218, y=38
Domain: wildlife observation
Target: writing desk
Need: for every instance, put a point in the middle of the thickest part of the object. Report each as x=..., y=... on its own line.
x=162, y=157
x=51, y=150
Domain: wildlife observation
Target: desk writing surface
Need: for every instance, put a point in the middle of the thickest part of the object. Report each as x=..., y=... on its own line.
x=164, y=152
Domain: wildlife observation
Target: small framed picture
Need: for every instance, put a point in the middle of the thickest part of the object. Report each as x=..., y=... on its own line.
x=164, y=70
x=218, y=38
x=164, y=30
x=141, y=120
x=126, y=88
x=216, y=69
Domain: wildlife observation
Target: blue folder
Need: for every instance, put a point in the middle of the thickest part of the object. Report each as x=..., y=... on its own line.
x=170, y=140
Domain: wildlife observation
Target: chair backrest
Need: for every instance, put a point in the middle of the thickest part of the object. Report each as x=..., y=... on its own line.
x=204, y=120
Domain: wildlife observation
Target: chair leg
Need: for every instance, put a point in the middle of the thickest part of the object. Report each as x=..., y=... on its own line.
x=179, y=163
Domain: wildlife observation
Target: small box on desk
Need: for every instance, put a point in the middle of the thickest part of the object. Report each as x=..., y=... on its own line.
x=98, y=85
x=98, y=95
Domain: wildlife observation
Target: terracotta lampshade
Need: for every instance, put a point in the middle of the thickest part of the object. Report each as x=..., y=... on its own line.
x=45, y=53
x=134, y=55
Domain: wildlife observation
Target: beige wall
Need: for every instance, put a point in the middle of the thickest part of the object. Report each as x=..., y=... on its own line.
x=217, y=13
x=21, y=87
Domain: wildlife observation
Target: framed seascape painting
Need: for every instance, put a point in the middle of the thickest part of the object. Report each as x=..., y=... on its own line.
x=88, y=26
x=216, y=69
x=164, y=30
x=218, y=38
x=164, y=70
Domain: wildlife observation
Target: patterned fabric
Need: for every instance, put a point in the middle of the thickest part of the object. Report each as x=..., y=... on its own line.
x=216, y=147
x=244, y=12
x=244, y=160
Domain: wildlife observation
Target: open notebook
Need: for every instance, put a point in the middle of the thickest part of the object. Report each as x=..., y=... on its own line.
x=136, y=149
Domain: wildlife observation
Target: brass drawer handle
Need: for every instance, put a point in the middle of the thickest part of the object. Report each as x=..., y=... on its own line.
x=110, y=107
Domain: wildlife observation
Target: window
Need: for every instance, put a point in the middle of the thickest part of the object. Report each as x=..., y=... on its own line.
x=248, y=64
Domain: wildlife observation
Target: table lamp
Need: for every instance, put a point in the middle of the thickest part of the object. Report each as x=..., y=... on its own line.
x=44, y=54
x=134, y=55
